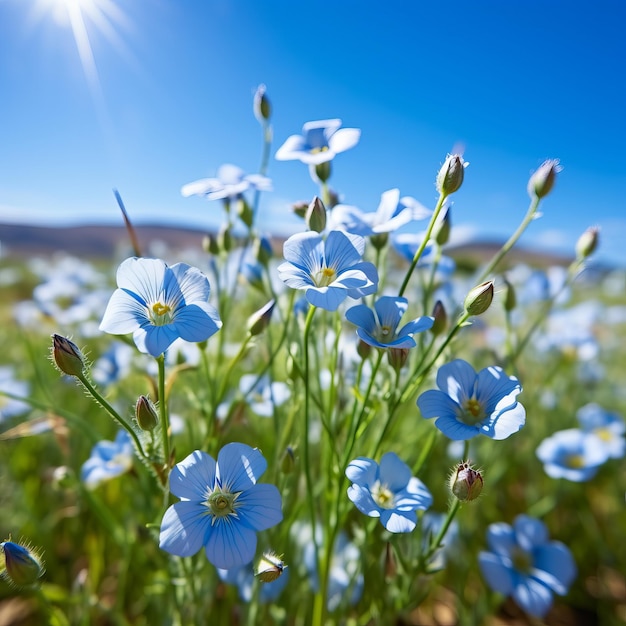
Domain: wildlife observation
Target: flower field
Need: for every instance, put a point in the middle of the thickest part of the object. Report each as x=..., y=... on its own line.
x=347, y=427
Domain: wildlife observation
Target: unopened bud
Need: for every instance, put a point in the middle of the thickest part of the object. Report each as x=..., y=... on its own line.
x=261, y=105
x=262, y=250
x=22, y=565
x=244, y=211
x=288, y=460
x=260, y=319
x=466, y=483
x=363, y=349
x=225, y=239
x=443, y=225
x=379, y=240
x=479, y=298
x=68, y=358
x=391, y=567
x=210, y=245
x=587, y=243
x=441, y=319
x=300, y=208
x=321, y=172
x=397, y=357
x=541, y=182
x=450, y=176
x=146, y=414
x=510, y=299
x=316, y=215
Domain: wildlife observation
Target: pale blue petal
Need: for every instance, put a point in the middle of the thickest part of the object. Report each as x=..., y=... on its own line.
x=493, y=385
x=388, y=206
x=415, y=496
x=344, y=139
x=398, y=521
x=294, y=276
x=197, y=322
x=362, y=316
x=124, y=314
x=457, y=379
x=230, y=544
x=435, y=403
x=371, y=274
x=192, y=478
x=394, y=472
x=342, y=250
x=417, y=326
x=193, y=284
x=362, y=471
x=305, y=251
x=328, y=298
x=363, y=500
x=556, y=566
x=505, y=424
x=497, y=573
x=390, y=311
x=501, y=538
x=530, y=532
x=239, y=466
x=143, y=277
x=184, y=528
x=260, y=507
x=456, y=430
x=155, y=340
x=291, y=149
x=534, y=597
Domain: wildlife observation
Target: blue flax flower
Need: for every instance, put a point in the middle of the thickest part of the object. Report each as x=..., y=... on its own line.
x=387, y=491
x=159, y=304
x=231, y=182
x=523, y=563
x=572, y=454
x=108, y=460
x=609, y=427
x=469, y=403
x=221, y=507
x=320, y=142
x=328, y=270
x=392, y=213
x=381, y=330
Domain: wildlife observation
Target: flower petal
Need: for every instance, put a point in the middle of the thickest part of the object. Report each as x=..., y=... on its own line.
x=239, y=466
x=398, y=521
x=193, y=476
x=362, y=471
x=344, y=139
x=555, y=566
x=394, y=472
x=260, y=507
x=230, y=544
x=155, y=340
x=124, y=314
x=363, y=500
x=457, y=379
x=497, y=572
x=184, y=528
x=435, y=403
x=197, y=322
x=143, y=277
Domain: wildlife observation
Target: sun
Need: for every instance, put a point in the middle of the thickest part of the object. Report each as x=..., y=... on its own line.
x=80, y=16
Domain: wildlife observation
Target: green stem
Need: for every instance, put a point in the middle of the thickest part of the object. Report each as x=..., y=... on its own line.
x=163, y=416
x=111, y=411
x=529, y=217
x=422, y=246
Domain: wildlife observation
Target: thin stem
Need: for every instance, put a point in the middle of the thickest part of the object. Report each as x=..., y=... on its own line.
x=163, y=417
x=422, y=246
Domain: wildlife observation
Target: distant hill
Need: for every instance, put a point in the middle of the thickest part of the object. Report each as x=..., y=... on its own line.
x=101, y=241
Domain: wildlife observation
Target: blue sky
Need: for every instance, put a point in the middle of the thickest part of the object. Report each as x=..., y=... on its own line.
x=166, y=97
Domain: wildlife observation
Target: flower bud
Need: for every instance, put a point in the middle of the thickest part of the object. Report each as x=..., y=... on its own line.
x=479, y=298
x=300, y=208
x=210, y=245
x=442, y=227
x=379, y=240
x=261, y=105
x=288, y=460
x=541, y=182
x=466, y=483
x=587, y=243
x=441, y=319
x=363, y=349
x=391, y=567
x=262, y=250
x=316, y=215
x=146, y=414
x=260, y=319
x=68, y=358
x=321, y=172
x=397, y=357
x=450, y=176
x=225, y=239
x=270, y=567
x=244, y=211
x=22, y=565
x=510, y=297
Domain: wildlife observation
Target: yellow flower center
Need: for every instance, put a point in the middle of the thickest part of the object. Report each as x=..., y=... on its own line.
x=383, y=496
x=575, y=461
x=222, y=504
x=522, y=561
x=324, y=277
x=320, y=149
x=472, y=412
x=161, y=314
x=604, y=433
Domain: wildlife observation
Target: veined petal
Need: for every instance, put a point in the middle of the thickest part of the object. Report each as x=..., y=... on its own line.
x=371, y=273
x=417, y=326
x=456, y=430
x=124, y=314
x=328, y=298
x=435, y=403
x=457, y=379
x=492, y=384
x=503, y=425
x=260, y=507
x=193, y=284
x=239, y=466
x=230, y=544
x=416, y=495
x=305, y=250
x=388, y=206
x=155, y=340
x=342, y=250
x=197, y=322
x=362, y=316
x=294, y=276
x=144, y=277
x=390, y=311
x=344, y=139
x=184, y=528
x=192, y=478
